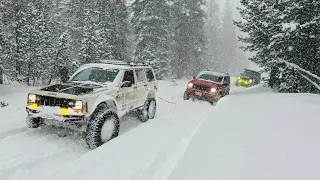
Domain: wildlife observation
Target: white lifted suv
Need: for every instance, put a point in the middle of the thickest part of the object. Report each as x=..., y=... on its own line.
x=94, y=98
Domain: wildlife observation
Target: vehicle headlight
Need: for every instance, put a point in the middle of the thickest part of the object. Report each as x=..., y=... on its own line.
x=78, y=105
x=32, y=98
x=239, y=78
x=190, y=85
x=250, y=81
x=213, y=90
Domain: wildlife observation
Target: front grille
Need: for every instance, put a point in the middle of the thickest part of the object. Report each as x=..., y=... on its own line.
x=53, y=101
x=202, y=88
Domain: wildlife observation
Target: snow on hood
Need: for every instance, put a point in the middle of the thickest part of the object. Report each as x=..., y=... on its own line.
x=73, y=88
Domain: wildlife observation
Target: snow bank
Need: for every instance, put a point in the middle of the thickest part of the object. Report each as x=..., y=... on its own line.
x=261, y=136
x=16, y=98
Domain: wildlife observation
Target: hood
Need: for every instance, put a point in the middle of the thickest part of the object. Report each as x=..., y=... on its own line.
x=72, y=88
x=205, y=83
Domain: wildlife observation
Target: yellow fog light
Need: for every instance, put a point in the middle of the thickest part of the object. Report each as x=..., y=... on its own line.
x=246, y=82
x=63, y=111
x=35, y=106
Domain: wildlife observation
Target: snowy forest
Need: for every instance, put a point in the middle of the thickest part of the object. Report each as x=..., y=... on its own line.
x=177, y=37
x=285, y=34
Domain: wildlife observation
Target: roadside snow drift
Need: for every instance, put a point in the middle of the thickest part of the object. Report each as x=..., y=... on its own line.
x=263, y=136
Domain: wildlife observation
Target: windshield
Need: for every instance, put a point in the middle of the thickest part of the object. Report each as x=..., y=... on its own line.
x=98, y=75
x=210, y=77
x=247, y=73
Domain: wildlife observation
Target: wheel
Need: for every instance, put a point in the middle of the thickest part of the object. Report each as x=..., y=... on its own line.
x=33, y=122
x=103, y=126
x=215, y=99
x=186, y=96
x=148, y=111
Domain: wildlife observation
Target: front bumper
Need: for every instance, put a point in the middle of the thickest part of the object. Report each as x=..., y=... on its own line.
x=76, y=122
x=201, y=95
x=243, y=83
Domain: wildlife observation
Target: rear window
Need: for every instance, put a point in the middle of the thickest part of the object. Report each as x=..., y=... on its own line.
x=150, y=75
x=210, y=77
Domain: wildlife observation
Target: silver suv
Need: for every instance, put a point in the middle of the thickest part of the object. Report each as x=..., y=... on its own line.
x=94, y=98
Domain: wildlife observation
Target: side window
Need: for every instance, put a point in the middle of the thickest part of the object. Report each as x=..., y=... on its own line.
x=141, y=76
x=129, y=76
x=150, y=75
x=226, y=80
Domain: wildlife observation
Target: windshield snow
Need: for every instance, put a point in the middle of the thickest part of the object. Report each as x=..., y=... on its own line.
x=210, y=77
x=98, y=75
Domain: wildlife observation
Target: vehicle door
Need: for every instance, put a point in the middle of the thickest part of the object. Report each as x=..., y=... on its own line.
x=127, y=95
x=142, y=86
x=226, y=85
x=152, y=83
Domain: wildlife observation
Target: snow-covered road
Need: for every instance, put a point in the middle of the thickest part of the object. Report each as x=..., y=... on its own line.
x=157, y=150
x=41, y=153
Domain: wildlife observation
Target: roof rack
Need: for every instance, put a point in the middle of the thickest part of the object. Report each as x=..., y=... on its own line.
x=117, y=62
x=219, y=72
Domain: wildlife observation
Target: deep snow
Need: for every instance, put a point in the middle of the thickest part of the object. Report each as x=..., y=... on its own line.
x=258, y=136
x=245, y=136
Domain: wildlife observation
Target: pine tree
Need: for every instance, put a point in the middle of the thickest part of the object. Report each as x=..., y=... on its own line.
x=89, y=46
x=213, y=35
x=120, y=32
x=283, y=31
x=229, y=42
x=189, y=37
x=151, y=27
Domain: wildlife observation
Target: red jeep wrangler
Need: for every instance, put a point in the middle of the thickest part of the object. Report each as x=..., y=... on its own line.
x=209, y=86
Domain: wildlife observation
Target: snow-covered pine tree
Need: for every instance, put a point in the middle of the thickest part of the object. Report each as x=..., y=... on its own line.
x=74, y=13
x=151, y=27
x=12, y=17
x=302, y=20
x=213, y=36
x=119, y=30
x=189, y=37
x=229, y=43
x=261, y=25
x=89, y=51
x=283, y=30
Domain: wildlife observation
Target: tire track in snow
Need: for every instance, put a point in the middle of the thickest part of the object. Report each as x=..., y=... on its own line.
x=175, y=156
x=12, y=132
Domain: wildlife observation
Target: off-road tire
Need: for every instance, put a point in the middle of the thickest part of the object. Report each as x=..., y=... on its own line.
x=101, y=115
x=186, y=96
x=33, y=122
x=144, y=114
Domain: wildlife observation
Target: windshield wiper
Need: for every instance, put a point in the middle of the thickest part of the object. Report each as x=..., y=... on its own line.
x=88, y=82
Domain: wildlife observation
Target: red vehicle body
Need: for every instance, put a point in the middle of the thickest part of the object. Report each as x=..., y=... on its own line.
x=209, y=86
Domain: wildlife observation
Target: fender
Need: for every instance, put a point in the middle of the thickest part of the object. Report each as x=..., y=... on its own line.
x=151, y=94
x=102, y=98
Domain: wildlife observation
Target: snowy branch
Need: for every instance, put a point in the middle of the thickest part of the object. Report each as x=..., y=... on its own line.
x=304, y=76
x=303, y=70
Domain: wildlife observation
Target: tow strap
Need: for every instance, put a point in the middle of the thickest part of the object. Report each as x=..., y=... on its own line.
x=167, y=101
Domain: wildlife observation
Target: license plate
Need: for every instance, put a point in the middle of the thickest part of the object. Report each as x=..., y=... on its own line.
x=198, y=94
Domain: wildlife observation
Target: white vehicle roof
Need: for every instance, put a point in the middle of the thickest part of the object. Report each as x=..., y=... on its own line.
x=112, y=66
x=213, y=73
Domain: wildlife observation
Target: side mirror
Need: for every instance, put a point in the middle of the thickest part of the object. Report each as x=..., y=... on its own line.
x=194, y=77
x=126, y=84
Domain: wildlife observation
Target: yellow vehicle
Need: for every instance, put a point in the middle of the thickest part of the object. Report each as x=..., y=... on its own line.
x=248, y=78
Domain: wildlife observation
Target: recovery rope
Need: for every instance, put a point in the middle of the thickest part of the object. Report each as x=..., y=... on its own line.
x=167, y=101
